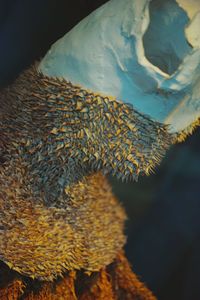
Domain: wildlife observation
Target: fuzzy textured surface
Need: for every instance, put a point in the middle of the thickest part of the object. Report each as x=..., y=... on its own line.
x=114, y=282
x=42, y=242
x=57, y=211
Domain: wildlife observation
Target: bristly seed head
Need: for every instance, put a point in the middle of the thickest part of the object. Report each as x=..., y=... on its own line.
x=53, y=121
x=53, y=136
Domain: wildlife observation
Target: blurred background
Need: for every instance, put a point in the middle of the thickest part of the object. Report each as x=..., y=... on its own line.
x=163, y=228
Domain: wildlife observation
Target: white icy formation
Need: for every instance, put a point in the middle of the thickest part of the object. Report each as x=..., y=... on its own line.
x=146, y=53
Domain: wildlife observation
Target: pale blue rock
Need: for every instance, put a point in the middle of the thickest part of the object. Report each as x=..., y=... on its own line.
x=109, y=53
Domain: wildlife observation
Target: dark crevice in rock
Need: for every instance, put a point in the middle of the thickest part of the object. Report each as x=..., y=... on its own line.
x=165, y=44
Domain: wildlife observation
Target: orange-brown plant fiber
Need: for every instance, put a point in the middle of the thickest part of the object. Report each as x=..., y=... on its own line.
x=61, y=227
x=115, y=282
